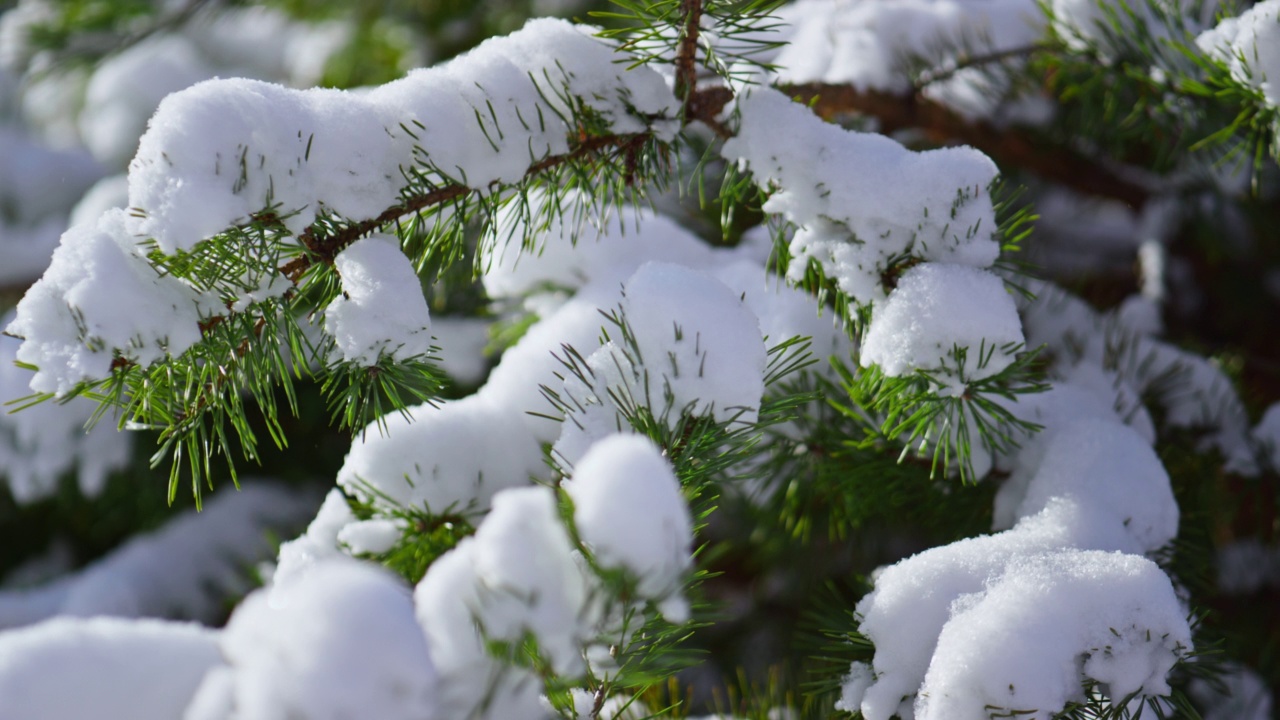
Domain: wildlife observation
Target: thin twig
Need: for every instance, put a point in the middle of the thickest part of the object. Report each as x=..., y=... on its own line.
x=687, y=53
x=929, y=77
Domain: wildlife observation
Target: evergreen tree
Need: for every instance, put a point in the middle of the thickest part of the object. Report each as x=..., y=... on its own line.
x=831, y=359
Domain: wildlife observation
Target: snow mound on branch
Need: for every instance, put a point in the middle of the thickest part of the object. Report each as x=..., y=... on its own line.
x=70, y=668
x=872, y=45
x=1250, y=45
x=447, y=603
x=519, y=574
x=449, y=457
x=688, y=346
x=573, y=255
x=382, y=312
x=100, y=297
x=342, y=642
x=628, y=509
x=1017, y=645
x=861, y=200
x=222, y=150
x=531, y=364
x=935, y=311
x=1102, y=464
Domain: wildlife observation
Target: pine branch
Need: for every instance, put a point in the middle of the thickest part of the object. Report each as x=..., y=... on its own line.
x=325, y=248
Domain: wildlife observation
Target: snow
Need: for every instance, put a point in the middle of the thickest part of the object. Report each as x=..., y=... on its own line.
x=530, y=580
x=342, y=642
x=937, y=312
x=99, y=298
x=186, y=569
x=472, y=683
x=41, y=443
x=689, y=346
x=1250, y=47
x=72, y=668
x=448, y=458
x=1266, y=434
x=1098, y=464
x=576, y=256
x=861, y=200
x=220, y=151
x=530, y=364
x=1019, y=644
x=382, y=313
x=374, y=536
x=299, y=556
x=877, y=45
x=126, y=88
x=628, y=509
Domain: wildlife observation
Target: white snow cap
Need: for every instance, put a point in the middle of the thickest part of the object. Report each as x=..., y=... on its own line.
x=382, y=311
x=341, y=642
x=1017, y=645
x=862, y=199
x=99, y=296
x=936, y=308
x=693, y=348
x=1250, y=45
x=220, y=151
x=473, y=684
x=629, y=511
x=70, y=668
x=531, y=580
x=1104, y=466
x=452, y=456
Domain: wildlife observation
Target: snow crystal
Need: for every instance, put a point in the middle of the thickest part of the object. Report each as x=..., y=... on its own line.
x=1250, y=46
x=220, y=151
x=382, y=312
x=71, y=668
x=938, y=311
x=448, y=457
x=100, y=297
x=342, y=642
x=629, y=511
x=862, y=200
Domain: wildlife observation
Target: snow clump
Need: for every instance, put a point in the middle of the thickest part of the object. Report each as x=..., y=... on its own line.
x=628, y=509
x=862, y=201
x=381, y=313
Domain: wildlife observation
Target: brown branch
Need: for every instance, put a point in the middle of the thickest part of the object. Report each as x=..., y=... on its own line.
x=1007, y=147
x=326, y=247
x=687, y=53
